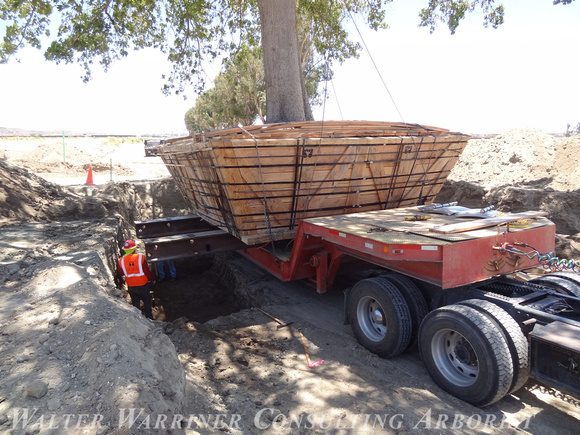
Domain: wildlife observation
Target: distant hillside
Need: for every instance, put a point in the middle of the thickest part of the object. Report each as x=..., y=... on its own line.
x=11, y=132
x=21, y=132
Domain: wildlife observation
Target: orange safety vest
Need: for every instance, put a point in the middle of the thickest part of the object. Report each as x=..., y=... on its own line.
x=132, y=267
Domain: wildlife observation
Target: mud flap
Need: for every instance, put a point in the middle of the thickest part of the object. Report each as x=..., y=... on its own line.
x=346, y=320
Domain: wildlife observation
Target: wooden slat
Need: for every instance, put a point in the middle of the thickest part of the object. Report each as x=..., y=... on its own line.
x=483, y=223
x=320, y=129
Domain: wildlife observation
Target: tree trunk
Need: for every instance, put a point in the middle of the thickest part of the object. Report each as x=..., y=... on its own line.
x=286, y=98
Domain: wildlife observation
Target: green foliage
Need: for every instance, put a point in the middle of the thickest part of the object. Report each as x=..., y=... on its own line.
x=452, y=12
x=323, y=37
x=203, y=116
x=191, y=33
x=28, y=20
x=238, y=95
x=194, y=32
x=106, y=30
x=190, y=122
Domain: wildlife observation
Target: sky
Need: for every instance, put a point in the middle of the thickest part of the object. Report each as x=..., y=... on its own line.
x=479, y=81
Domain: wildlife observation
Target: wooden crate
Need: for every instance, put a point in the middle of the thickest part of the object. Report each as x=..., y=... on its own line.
x=258, y=182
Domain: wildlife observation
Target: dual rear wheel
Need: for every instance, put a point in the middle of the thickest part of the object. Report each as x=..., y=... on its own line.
x=474, y=350
x=567, y=283
x=466, y=352
x=385, y=314
x=380, y=317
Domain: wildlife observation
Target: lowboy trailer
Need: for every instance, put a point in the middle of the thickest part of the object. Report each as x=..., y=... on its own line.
x=444, y=283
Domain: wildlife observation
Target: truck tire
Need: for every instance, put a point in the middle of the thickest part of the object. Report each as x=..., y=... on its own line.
x=415, y=301
x=572, y=277
x=466, y=354
x=562, y=285
x=514, y=337
x=380, y=317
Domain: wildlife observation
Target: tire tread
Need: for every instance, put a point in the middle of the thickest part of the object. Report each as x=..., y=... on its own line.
x=415, y=301
x=514, y=337
x=393, y=345
x=475, y=323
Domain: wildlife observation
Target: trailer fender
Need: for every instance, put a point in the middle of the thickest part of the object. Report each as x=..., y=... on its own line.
x=565, y=283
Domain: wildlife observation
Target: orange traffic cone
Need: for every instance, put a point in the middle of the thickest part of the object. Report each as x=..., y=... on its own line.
x=90, y=176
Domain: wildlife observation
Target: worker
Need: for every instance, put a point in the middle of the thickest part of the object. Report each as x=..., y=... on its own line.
x=161, y=270
x=137, y=276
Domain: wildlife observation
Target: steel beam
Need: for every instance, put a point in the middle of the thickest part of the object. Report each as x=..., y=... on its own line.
x=190, y=244
x=172, y=225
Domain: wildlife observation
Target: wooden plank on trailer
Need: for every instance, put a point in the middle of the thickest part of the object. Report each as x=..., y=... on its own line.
x=482, y=223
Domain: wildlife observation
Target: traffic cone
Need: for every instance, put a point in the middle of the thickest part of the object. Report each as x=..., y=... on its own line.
x=90, y=176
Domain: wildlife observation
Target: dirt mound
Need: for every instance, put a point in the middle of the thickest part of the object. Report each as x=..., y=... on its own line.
x=26, y=197
x=51, y=157
x=68, y=163
x=521, y=156
x=70, y=344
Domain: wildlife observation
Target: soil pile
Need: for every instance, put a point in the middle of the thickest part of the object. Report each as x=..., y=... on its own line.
x=112, y=158
x=26, y=197
x=70, y=343
x=521, y=157
x=75, y=158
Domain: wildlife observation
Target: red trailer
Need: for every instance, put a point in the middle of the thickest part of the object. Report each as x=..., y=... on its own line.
x=443, y=281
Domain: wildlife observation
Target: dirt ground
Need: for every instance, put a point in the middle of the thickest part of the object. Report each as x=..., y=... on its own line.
x=77, y=358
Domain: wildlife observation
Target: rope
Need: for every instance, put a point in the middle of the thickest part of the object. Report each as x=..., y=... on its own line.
x=425, y=168
x=375, y=65
x=337, y=102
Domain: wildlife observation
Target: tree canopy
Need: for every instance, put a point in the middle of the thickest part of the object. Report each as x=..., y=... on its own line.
x=191, y=33
x=238, y=95
x=195, y=32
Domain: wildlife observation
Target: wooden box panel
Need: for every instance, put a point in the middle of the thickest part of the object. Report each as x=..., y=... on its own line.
x=258, y=182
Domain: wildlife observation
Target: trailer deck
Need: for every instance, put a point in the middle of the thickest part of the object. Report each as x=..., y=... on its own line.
x=444, y=250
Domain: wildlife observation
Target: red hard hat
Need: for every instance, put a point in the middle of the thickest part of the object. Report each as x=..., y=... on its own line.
x=129, y=244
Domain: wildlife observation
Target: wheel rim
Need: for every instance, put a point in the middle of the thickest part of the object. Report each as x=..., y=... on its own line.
x=455, y=357
x=371, y=318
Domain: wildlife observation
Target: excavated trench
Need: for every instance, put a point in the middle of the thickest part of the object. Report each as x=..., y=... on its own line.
x=207, y=286
x=202, y=291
